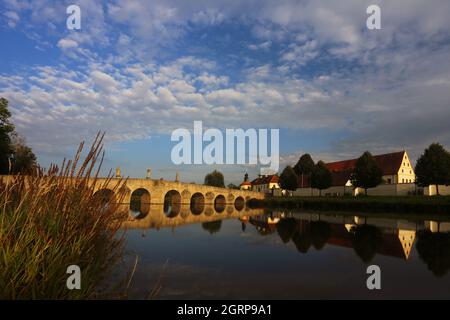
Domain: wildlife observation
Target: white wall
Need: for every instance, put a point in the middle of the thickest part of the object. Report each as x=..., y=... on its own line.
x=305, y=192
x=431, y=190
x=401, y=189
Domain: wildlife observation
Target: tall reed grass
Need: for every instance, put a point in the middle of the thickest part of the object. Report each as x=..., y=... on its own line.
x=53, y=219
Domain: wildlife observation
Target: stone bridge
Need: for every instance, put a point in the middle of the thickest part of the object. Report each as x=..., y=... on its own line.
x=160, y=191
x=140, y=194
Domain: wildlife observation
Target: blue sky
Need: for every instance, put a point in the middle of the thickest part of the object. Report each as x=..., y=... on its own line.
x=140, y=69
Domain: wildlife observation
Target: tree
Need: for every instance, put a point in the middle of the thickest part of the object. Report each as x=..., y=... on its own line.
x=215, y=179
x=303, y=168
x=232, y=186
x=6, y=128
x=321, y=177
x=433, y=167
x=23, y=159
x=288, y=179
x=367, y=173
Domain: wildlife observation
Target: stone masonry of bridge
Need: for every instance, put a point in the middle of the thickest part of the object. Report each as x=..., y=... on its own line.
x=158, y=189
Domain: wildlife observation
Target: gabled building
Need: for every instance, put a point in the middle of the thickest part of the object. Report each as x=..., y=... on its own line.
x=266, y=183
x=396, y=169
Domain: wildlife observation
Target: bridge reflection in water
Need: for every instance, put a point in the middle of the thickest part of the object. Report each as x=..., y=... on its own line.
x=174, y=213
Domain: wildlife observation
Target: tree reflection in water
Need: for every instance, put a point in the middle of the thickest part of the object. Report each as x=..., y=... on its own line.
x=304, y=233
x=320, y=233
x=213, y=226
x=366, y=240
x=286, y=229
x=434, y=251
x=302, y=241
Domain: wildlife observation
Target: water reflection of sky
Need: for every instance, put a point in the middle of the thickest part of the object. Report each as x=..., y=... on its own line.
x=220, y=260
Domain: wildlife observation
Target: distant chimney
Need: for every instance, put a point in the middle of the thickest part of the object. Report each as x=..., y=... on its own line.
x=149, y=174
x=118, y=174
x=177, y=177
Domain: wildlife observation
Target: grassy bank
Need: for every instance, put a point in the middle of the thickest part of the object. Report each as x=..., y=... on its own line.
x=407, y=204
x=52, y=220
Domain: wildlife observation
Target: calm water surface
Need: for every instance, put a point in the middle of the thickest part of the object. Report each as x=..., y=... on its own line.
x=246, y=254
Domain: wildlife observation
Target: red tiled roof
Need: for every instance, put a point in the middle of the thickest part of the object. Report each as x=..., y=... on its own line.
x=266, y=179
x=245, y=183
x=340, y=178
x=389, y=163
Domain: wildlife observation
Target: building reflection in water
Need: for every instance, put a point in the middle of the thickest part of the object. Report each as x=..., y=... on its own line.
x=367, y=236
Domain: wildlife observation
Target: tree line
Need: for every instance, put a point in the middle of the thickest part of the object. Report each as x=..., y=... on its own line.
x=432, y=168
x=15, y=156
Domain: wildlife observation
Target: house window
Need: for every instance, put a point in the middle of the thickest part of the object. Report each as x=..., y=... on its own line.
x=403, y=170
x=403, y=180
x=389, y=181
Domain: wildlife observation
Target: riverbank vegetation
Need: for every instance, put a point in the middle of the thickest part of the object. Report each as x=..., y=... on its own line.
x=388, y=204
x=51, y=220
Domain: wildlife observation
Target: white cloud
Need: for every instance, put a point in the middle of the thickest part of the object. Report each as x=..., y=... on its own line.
x=300, y=54
x=396, y=94
x=12, y=18
x=67, y=44
x=264, y=46
x=103, y=81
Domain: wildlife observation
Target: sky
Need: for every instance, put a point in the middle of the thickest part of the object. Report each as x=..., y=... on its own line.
x=140, y=69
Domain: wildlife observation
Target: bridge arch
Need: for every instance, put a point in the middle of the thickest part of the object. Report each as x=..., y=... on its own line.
x=105, y=196
x=197, y=203
x=172, y=203
x=220, y=203
x=139, y=203
x=239, y=203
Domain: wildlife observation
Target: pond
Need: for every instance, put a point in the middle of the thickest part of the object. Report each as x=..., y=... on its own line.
x=275, y=254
